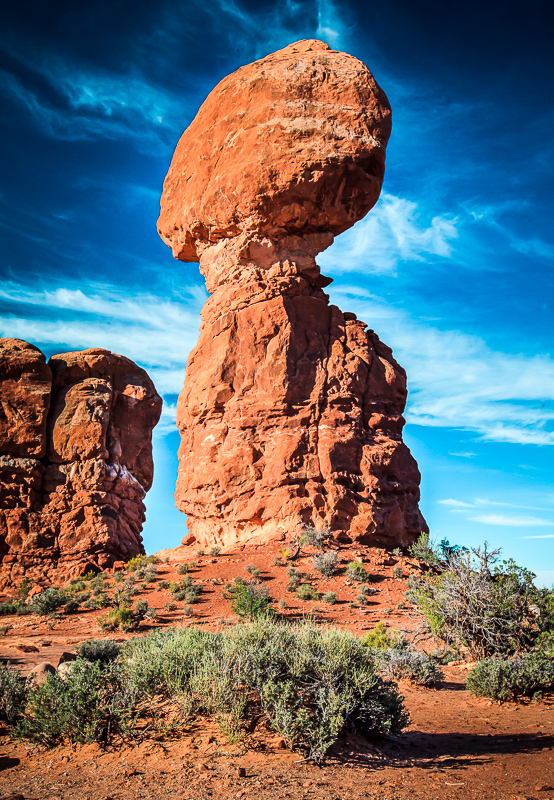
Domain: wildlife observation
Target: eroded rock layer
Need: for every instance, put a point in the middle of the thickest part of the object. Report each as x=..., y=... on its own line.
x=291, y=411
x=75, y=460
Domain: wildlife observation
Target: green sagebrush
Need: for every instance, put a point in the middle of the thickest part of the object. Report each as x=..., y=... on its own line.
x=90, y=703
x=506, y=679
x=310, y=682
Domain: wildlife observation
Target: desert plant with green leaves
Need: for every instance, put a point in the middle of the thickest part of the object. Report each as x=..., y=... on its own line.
x=526, y=675
x=307, y=592
x=310, y=682
x=102, y=650
x=91, y=703
x=13, y=693
x=488, y=606
x=249, y=599
x=326, y=563
x=355, y=571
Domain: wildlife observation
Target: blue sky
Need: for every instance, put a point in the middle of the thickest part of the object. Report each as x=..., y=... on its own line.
x=453, y=268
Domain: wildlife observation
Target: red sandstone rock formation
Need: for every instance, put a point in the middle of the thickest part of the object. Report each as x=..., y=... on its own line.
x=75, y=460
x=291, y=410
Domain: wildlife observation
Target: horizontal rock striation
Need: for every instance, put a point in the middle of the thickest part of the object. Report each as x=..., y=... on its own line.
x=291, y=411
x=75, y=460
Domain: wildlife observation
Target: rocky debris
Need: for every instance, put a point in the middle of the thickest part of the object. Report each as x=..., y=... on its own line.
x=291, y=411
x=40, y=673
x=75, y=460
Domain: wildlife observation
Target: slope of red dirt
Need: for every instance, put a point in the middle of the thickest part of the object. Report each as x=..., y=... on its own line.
x=456, y=746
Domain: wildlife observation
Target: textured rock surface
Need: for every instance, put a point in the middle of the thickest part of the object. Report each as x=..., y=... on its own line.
x=291, y=410
x=75, y=460
x=291, y=144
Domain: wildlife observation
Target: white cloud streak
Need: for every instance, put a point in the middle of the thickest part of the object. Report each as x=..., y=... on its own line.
x=457, y=381
x=511, y=522
x=392, y=232
x=158, y=334
x=97, y=104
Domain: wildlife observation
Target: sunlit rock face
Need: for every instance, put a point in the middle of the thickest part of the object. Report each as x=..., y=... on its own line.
x=75, y=460
x=291, y=411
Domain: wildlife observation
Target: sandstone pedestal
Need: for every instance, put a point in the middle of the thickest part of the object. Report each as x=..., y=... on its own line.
x=291, y=411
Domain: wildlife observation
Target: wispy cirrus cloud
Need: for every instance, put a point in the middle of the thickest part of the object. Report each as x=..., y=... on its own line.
x=394, y=231
x=497, y=395
x=79, y=104
x=511, y=522
x=457, y=381
x=156, y=333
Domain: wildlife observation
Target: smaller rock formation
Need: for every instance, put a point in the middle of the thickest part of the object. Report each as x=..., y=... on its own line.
x=75, y=460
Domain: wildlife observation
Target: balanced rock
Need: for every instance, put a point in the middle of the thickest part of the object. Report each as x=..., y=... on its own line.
x=75, y=460
x=291, y=413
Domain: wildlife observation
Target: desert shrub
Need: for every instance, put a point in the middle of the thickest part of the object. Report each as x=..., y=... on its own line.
x=200, y=552
x=397, y=571
x=380, y=637
x=71, y=606
x=444, y=655
x=25, y=588
x=252, y=570
x=49, y=600
x=150, y=573
x=121, y=618
x=356, y=571
x=310, y=682
x=8, y=607
x=295, y=578
x=282, y=604
x=330, y=598
x=326, y=563
x=361, y=599
x=401, y=661
x=503, y=679
x=188, y=611
x=277, y=562
x=103, y=600
x=92, y=702
x=102, y=650
x=163, y=584
x=170, y=606
x=13, y=693
x=141, y=608
x=314, y=537
x=397, y=552
x=424, y=550
x=249, y=599
x=214, y=551
x=285, y=554
x=90, y=603
x=307, y=592
x=488, y=607
x=182, y=569
x=139, y=561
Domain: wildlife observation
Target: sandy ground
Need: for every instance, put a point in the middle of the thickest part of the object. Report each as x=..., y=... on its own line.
x=455, y=747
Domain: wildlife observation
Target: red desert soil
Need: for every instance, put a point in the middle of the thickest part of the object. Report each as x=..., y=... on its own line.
x=455, y=747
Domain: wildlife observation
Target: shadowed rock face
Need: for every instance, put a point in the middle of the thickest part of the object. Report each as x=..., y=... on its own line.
x=75, y=460
x=291, y=410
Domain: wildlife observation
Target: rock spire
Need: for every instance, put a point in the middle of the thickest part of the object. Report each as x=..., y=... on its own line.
x=291, y=412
